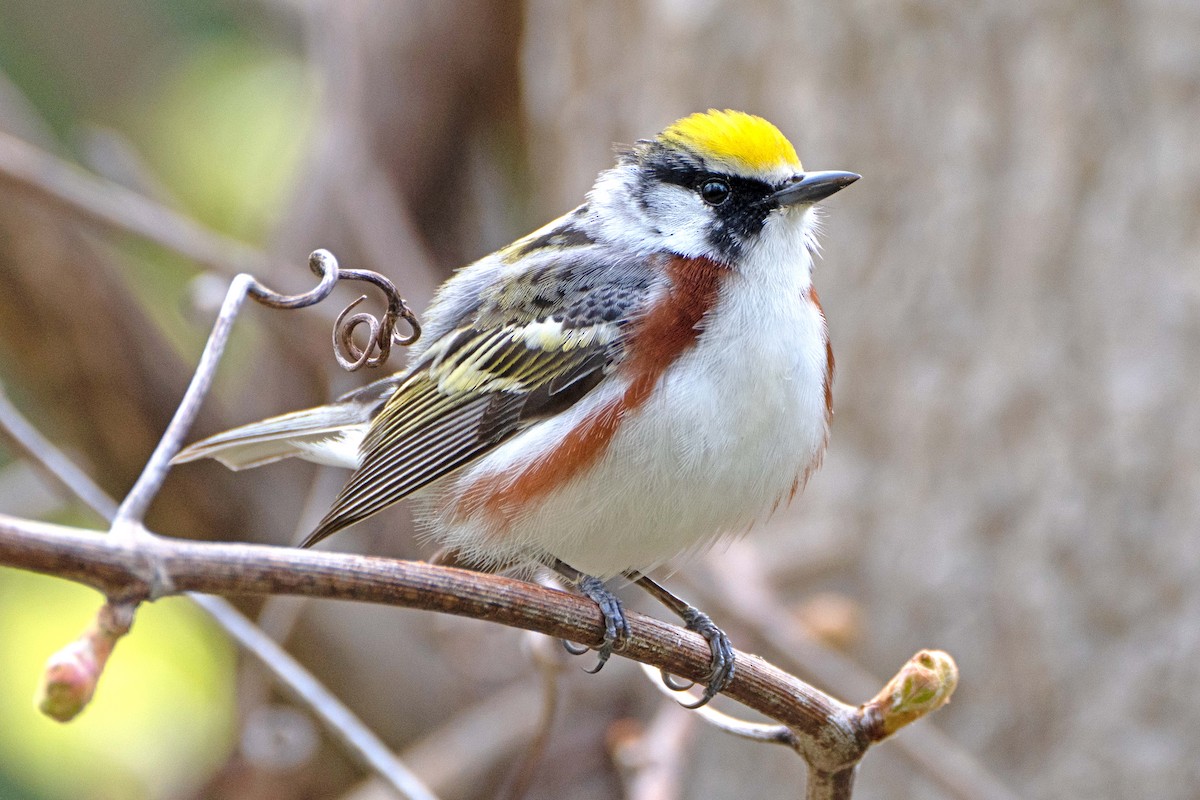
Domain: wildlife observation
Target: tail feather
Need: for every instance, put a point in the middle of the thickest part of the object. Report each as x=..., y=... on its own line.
x=326, y=435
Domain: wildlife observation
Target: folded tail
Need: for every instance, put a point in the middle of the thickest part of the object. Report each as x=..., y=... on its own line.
x=329, y=434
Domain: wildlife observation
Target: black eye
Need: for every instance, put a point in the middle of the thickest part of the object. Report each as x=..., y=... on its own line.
x=714, y=192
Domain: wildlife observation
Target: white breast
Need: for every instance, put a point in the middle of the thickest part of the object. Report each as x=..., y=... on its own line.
x=734, y=423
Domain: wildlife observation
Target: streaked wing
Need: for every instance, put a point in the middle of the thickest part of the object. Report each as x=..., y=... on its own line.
x=522, y=353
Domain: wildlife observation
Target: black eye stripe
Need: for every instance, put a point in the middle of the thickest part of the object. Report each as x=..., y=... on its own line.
x=691, y=171
x=735, y=220
x=740, y=190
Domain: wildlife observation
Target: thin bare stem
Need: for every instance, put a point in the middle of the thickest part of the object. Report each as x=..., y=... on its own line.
x=50, y=461
x=132, y=566
x=359, y=740
x=831, y=785
x=127, y=521
x=831, y=736
x=382, y=331
x=743, y=729
x=51, y=180
x=363, y=745
x=744, y=594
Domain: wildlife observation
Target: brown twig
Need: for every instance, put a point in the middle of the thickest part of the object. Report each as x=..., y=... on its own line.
x=742, y=592
x=743, y=729
x=72, y=674
x=50, y=180
x=128, y=519
x=830, y=735
x=47, y=459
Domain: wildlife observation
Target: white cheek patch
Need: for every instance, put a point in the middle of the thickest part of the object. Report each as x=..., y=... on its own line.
x=682, y=219
x=672, y=218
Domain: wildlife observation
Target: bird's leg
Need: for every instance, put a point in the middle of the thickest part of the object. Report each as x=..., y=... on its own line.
x=616, y=627
x=722, y=665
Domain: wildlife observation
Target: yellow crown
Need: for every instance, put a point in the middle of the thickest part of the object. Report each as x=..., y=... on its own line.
x=743, y=143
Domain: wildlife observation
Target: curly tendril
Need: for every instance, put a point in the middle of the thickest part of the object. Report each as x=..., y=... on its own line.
x=382, y=333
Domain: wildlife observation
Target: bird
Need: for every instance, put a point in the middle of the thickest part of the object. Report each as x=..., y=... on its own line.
x=640, y=378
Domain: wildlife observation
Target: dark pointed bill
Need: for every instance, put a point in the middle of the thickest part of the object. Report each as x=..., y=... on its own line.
x=809, y=187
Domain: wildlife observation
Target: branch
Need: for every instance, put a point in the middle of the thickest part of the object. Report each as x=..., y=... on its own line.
x=302, y=686
x=830, y=735
x=71, y=675
x=132, y=565
x=742, y=589
x=48, y=179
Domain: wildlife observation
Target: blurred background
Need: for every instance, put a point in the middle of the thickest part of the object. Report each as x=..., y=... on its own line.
x=1013, y=292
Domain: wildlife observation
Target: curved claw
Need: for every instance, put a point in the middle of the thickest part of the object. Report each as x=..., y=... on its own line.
x=674, y=683
x=722, y=665
x=616, y=627
x=700, y=703
x=574, y=648
x=601, y=660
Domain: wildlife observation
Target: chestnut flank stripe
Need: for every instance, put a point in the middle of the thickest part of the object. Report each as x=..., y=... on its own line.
x=657, y=339
x=816, y=301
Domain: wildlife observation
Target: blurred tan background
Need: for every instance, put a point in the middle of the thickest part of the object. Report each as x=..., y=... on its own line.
x=1013, y=291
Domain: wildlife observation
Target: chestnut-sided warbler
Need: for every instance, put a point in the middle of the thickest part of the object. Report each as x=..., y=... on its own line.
x=633, y=381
